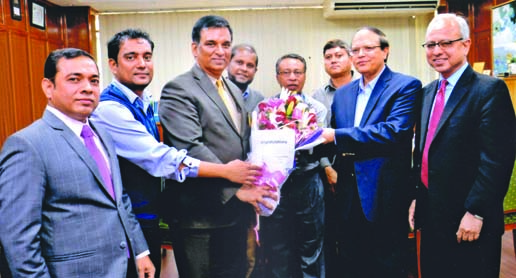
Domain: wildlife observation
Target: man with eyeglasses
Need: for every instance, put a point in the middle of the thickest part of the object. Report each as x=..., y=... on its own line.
x=463, y=159
x=373, y=119
x=292, y=237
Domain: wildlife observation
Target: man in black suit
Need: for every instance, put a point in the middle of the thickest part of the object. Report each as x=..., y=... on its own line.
x=204, y=113
x=464, y=154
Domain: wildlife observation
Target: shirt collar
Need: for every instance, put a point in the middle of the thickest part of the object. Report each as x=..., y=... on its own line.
x=214, y=80
x=73, y=124
x=145, y=99
x=330, y=87
x=371, y=83
x=454, y=78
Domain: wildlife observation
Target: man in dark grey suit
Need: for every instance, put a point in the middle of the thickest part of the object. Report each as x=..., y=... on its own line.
x=463, y=158
x=63, y=213
x=241, y=70
x=204, y=113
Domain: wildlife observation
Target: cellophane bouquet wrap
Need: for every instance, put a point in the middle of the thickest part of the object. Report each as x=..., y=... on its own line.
x=280, y=126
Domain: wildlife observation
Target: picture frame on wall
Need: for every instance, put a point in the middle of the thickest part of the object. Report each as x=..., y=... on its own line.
x=37, y=15
x=503, y=30
x=16, y=9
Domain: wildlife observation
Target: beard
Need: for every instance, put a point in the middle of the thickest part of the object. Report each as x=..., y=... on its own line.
x=241, y=85
x=136, y=87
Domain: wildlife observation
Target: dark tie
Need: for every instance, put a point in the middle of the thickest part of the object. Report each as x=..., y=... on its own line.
x=432, y=126
x=87, y=135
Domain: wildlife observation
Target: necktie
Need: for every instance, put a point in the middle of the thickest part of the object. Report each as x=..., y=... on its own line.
x=432, y=126
x=87, y=135
x=227, y=102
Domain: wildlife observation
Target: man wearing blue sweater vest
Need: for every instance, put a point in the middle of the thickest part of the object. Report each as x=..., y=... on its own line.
x=125, y=110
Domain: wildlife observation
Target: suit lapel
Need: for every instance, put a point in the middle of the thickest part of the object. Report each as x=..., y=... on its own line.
x=379, y=88
x=211, y=92
x=112, y=160
x=236, y=95
x=77, y=146
x=428, y=101
x=459, y=91
x=348, y=103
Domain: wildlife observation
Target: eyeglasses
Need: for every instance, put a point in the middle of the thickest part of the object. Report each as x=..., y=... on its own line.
x=441, y=44
x=288, y=73
x=365, y=49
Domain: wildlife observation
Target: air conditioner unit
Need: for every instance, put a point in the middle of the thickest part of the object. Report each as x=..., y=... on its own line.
x=377, y=8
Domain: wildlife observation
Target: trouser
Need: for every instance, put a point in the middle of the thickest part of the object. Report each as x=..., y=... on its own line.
x=292, y=237
x=369, y=249
x=211, y=253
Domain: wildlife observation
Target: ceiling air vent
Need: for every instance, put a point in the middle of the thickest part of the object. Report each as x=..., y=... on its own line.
x=376, y=8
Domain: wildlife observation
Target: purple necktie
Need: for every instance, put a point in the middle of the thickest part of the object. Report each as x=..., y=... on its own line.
x=432, y=126
x=87, y=135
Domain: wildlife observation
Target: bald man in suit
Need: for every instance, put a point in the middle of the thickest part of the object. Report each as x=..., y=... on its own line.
x=463, y=159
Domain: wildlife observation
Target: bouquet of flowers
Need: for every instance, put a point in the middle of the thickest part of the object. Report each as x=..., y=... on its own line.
x=280, y=126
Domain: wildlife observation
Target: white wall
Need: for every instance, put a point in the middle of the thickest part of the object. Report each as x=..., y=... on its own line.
x=273, y=33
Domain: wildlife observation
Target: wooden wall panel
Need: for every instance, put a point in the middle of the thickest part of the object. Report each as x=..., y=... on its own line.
x=21, y=80
x=482, y=20
x=23, y=50
x=481, y=48
x=51, y=45
x=54, y=24
x=7, y=121
x=38, y=55
x=77, y=28
x=2, y=8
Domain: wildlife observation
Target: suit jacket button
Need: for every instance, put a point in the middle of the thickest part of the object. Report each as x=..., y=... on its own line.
x=123, y=245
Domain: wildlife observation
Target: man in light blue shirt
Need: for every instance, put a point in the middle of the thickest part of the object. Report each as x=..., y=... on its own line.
x=126, y=112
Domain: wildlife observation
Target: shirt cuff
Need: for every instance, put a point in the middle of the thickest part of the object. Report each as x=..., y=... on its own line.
x=325, y=162
x=142, y=254
x=190, y=170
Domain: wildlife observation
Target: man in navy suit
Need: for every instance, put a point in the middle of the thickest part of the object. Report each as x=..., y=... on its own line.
x=373, y=119
x=463, y=158
x=63, y=213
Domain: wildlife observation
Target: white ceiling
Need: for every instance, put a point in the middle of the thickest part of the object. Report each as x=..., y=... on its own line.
x=106, y=6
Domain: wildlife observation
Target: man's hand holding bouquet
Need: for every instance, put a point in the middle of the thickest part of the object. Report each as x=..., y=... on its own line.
x=280, y=126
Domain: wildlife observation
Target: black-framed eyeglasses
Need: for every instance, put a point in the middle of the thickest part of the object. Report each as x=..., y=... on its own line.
x=442, y=44
x=288, y=73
